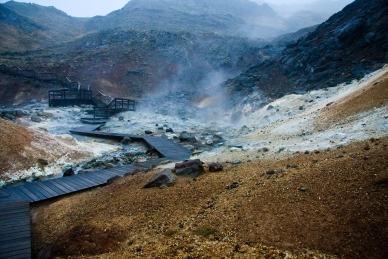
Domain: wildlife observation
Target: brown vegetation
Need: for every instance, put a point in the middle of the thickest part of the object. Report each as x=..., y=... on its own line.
x=328, y=201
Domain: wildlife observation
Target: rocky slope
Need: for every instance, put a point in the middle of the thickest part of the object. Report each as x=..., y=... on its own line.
x=237, y=17
x=30, y=26
x=308, y=183
x=349, y=45
x=137, y=63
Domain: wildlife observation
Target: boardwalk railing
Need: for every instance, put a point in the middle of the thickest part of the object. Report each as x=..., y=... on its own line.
x=105, y=106
x=67, y=97
x=44, y=77
x=115, y=106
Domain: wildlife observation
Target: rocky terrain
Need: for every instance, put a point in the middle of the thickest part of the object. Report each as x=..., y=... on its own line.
x=294, y=151
x=351, y=44
x=299, y=183
x=30, y=26
x=138, y=63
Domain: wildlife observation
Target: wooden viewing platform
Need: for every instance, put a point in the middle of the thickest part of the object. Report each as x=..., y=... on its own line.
x=15, y=233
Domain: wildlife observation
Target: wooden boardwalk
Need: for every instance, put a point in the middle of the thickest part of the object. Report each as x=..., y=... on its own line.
x=165, y=147
x=15, y=233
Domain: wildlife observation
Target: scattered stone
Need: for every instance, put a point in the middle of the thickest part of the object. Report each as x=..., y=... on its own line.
x=121, y=118
x=169, y=130
x=68, y=171
x=163, y=179
x=109, y=166
x=209, y=140
x=35, y=118
x=186, y=137
x=165, y=162
x=236, y=162
x=45, y=253
x=42, y=162
x=112, y=180
x=271, y=171
x=265, y=149
x=148, y=132
x=126, y=140
x=189, y=168
x=382, y=177
x=232, y=186
x=216, y=167
x=302, y=189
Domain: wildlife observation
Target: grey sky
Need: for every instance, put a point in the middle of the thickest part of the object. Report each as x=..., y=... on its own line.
x=89, y=8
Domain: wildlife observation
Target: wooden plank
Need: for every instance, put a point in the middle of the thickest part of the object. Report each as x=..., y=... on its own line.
x=14, y=217
x=11, y=243
x=88, y=180
x=14, y=235
x=99, y=177
x=14, y=221
x=47, y=189
x=57, y=187
x=77, y=186
x=28, y=193
x=107, y=173
x=12, y=228
x=39, y=192
x=18, y=204
x=17, y=254
x=63, y=183
x=80, y=182
x=19, y=193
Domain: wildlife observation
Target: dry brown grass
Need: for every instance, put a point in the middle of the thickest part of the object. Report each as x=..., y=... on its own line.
x=374, y=95
x=343, y=211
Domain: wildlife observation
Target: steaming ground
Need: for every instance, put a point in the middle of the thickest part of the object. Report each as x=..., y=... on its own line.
x=318, y=120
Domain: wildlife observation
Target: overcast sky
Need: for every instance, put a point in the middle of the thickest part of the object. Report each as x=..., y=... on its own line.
x=90, y=8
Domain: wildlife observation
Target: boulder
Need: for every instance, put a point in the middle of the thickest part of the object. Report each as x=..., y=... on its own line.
x=68, y=171
x=186, y=137
x=163, y=179
x=189, y=168
x=216, y=167
x=35, y=118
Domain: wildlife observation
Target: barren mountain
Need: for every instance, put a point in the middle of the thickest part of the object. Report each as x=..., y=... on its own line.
x=351, y=44
x=31, y=26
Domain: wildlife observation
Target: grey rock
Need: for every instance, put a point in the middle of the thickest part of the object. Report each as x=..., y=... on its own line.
x=189, y=168
x=68, y=171
x=162, y=179
x=216, y=167
x=271, y=171
x=35, y=118
x=187, y=137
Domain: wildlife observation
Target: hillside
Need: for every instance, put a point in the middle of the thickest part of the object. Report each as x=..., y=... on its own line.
x=137, y=64
x=237, y=18
x=321, y=194
x=31, y=26
x=349, y=45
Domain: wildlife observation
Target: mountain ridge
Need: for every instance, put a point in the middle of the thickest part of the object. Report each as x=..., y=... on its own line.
x=349, y=45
